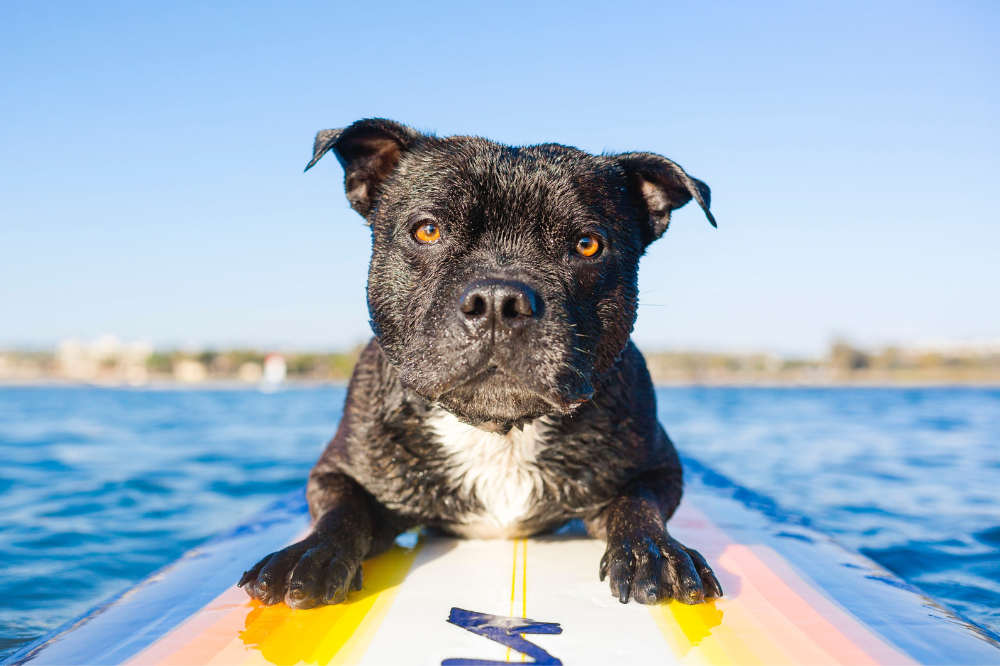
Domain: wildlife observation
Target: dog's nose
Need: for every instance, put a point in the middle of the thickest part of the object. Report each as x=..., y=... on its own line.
x=507, y=303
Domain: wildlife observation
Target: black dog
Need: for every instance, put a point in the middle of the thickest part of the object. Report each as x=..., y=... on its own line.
x=501, y=395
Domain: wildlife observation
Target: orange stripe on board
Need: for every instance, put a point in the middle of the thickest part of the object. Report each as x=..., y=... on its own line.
x=770, y=615
x=249, y=633
x=858, y=634
x=204, y=635
x=786, y=617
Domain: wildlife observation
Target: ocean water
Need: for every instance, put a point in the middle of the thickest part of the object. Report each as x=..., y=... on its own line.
x=100, y=487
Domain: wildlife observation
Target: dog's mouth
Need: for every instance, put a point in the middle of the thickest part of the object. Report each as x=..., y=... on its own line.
x=495, y=399
x=497, y=387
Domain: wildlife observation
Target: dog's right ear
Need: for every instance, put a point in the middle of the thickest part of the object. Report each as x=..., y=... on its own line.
x=663, y=186
x=368, y=150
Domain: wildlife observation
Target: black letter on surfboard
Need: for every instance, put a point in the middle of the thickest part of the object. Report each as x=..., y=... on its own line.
x=506, y=631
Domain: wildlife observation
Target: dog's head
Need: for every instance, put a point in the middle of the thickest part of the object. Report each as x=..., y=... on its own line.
x=503, y=279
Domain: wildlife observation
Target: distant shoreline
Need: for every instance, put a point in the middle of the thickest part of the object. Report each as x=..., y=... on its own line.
x=108, y=361
x=229, y=385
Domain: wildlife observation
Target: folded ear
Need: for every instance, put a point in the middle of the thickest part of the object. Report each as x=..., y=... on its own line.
x=368, y=150
x=662, y=186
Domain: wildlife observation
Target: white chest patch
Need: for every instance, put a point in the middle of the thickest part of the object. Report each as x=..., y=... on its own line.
x=498, y=469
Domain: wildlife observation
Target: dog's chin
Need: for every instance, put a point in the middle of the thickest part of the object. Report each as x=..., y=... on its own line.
x=496, y=402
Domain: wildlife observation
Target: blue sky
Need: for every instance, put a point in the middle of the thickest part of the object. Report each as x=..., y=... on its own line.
x=151, y=177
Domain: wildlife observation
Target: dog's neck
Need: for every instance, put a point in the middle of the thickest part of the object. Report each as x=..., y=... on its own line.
x=495, y=471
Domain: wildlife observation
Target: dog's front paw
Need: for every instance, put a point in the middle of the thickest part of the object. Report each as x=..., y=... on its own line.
x=312, y=572
x=649, y=568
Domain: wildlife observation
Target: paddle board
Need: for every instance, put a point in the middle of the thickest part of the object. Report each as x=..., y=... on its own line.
x=792, y=596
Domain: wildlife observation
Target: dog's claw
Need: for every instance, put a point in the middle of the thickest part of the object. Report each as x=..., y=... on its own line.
x=708, y=580
x=650, y=568
x=251, y=574
x=310, y=573
x=714, y=587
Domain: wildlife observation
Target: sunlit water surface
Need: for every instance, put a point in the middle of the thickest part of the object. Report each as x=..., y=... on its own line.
x=99, y=487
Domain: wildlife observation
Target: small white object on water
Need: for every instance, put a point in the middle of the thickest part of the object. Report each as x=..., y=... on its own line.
x=275, y=371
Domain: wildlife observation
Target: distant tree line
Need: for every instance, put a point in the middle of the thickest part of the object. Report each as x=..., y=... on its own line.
x=109, y=361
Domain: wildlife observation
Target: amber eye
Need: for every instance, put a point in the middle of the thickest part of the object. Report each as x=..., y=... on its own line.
x=588, y=246
x=428, y=232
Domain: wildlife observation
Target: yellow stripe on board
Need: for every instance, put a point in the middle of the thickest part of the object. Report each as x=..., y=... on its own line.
x=337, y=634
x=524, y=580
x=524, y=586
x=513, y=582
x=522, y=545
x=254, y=634
x=513, y=586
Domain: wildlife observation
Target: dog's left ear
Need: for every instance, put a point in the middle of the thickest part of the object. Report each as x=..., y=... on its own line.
x=369, y=151
x=662, y=186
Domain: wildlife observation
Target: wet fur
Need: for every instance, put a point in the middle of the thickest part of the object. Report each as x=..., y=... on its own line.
x=496, y=425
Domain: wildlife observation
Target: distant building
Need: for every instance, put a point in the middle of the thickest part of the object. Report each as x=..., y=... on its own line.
x=250, y=372
x=105, y=360
x=190, y=372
